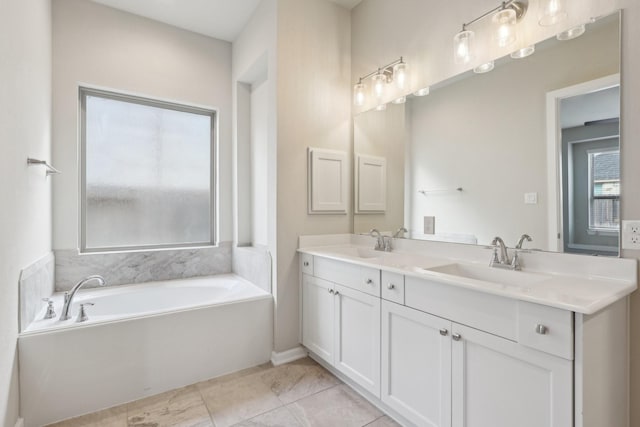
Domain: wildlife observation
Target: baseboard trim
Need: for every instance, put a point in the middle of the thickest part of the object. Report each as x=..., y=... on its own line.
x=20, y=422
x=288, y=355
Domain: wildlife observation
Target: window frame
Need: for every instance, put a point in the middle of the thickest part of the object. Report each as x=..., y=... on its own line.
x=212, y=113
x=600, y=230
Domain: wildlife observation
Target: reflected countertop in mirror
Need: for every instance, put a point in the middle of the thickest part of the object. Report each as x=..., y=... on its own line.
x=530, y=147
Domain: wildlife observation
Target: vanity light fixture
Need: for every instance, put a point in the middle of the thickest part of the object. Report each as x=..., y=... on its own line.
x=504, y=19
x=400, y=100
x=484, y=68
x=523, y=52
x=422, y=92
x=381, y=107
x=571, y=33
x=395, y=71
x=550, y=12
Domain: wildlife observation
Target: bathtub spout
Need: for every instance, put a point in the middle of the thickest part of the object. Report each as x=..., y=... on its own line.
x=68, y=296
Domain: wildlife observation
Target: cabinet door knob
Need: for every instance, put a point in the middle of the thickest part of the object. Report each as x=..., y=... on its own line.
x=369, y=281
x=391, y=286
x=444, y=332
x=306, y=263
x=330, y=291
x=541, y=329
x=456, y=337
x=337, y=293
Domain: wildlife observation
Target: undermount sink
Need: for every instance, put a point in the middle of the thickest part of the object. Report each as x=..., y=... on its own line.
x=359, y=252
x=490, y=274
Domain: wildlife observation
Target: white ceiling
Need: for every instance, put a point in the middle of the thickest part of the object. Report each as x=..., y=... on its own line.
x=220, y=19
x=600, y=105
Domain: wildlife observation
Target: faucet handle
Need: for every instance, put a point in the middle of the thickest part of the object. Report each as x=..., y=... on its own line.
x=51, y=312
x=494, y=257
x=82, y=314
x=515, y=261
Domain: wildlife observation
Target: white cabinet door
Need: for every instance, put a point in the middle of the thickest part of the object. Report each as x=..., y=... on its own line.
x=499, y=383
x=357, y=337
x=317, y=316
x=416, y=365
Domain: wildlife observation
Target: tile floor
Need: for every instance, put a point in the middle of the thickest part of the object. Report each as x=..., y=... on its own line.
x=297, y=394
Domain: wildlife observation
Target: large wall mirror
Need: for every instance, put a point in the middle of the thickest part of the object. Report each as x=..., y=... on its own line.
x=530, y=147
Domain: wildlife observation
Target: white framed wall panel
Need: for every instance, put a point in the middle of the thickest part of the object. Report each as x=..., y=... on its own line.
x=371, y=184
x=327, y=181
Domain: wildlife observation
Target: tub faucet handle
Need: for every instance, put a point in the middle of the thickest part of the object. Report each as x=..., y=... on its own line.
x=82, y=314
x=51, y=312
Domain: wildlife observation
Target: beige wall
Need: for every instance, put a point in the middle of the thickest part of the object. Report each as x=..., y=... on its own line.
x=314, y=110
x=104, y=47
x=422, y=31
x=25, y=192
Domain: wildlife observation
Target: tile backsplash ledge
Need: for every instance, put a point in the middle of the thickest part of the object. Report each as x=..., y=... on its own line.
x=36, y=282
x=138, y=267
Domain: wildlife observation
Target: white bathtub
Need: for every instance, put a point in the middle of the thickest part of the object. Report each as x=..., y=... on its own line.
x=141, y=340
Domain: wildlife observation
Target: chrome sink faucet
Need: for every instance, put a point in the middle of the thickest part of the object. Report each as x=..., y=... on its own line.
x=380, y=243
x=400, y=232
x=68, y=296
x=522, y=240
x=503, y=260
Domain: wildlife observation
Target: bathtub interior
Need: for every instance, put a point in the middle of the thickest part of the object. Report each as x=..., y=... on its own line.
x=117, y=303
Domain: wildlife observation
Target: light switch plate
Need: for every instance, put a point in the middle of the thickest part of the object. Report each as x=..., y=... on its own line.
x=429, y=225
x=531, y=198
x=631, y=234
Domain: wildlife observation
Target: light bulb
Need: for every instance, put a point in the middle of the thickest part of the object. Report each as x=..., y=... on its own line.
x=422, y=92
x=551, y=12
x=400, y=100
x=505, y=22
x=524, y=52
x=400, y=75
x=484, y=68
x=379, y=82
x=463, y=46
x=571, y=33
x=381, y=107
x=358, y=94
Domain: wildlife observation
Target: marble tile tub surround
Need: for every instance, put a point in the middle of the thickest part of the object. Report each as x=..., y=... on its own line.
x=297, y=394
x=254, y=264
x=124, y=268
x=36, y=282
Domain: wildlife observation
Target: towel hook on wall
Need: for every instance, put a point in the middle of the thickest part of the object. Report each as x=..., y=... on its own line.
x=50, y=169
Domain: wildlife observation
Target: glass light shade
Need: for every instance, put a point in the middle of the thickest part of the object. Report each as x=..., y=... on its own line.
x=504, y=22
x=422, y=92
x=358, y=94
x=551, y=12
x=463, y=46
x=484, y=68
x=400, y=75
x=400, y=100
x=571, y=33
x=379, y=82
x=381, y=107
x=524, y=52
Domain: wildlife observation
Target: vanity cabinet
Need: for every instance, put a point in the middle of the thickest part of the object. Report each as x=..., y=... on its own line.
x=341, y=323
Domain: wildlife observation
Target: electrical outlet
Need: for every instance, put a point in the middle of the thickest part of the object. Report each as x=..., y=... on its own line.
x=429, y=225
x=631, y=235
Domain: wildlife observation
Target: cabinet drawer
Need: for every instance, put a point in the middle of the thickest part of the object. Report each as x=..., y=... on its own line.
x=354, y=276
x=393, y=287
x=491, y=313
x=547, y=329
x=306, y=264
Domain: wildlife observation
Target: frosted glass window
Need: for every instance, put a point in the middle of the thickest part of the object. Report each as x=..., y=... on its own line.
x=147, y=171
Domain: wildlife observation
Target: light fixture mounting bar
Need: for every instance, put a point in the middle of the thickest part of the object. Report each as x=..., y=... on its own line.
x=387, y=69
x=519, y=6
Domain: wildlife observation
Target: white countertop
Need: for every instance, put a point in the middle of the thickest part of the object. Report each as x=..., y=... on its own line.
x=584, y=290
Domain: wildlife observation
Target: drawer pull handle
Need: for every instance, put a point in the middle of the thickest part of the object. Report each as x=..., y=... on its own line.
x=391, y=286
x=444, y=332
x=456, y=337
x=369, y=281
x=306, y=263
x=541, y=329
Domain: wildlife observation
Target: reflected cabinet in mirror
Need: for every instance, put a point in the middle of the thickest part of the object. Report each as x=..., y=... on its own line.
x=531, y=147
